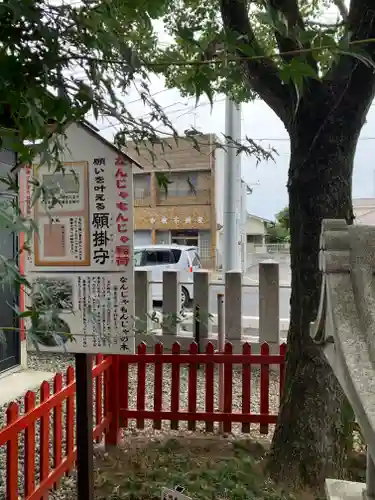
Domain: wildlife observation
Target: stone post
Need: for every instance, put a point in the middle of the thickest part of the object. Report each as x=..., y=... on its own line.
x=269, y=314
x=171, y=302
x=143, y=301
x=201, y=300
x=233, y=305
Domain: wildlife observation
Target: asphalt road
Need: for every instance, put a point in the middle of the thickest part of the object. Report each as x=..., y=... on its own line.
x=250, y=300
x=250, y=294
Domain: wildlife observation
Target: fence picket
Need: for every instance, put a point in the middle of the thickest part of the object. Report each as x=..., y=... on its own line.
x=29, y=463
x=175, y=387
x=44, y=434
x=158, y=386
x=123, y=388
x=210, y=381
x=57, y=424
x=69, y=424
x=62, y=462
x=228, y=387
x=264, y=387
x=282, y=371
x=192, y=386
x=52, y=466
x=12, y=456
x=246, y=387
x=141, y=384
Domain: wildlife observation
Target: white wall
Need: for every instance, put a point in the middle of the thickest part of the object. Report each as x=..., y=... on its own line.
x=142, y=238
x=255, y=226
x=219, y=185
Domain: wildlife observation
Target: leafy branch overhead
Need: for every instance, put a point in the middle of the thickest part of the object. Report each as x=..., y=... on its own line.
x=277, y=50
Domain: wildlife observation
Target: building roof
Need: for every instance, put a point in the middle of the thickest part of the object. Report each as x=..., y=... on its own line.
x=258, y=218
x=94, y=131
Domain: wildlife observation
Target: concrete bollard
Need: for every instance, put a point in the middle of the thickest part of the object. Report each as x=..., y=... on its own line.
x=269, y=312
x=171, y=303
x=233, y=305
x=201, y=302
x=143, y=302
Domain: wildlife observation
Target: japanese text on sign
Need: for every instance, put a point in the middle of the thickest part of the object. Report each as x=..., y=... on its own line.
x=123, y=254
x=100, y=218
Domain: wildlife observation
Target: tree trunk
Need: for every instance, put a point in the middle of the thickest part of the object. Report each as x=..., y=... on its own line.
x=319, y=187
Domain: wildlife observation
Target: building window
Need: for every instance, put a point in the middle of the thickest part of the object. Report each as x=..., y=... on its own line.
x=187, y=237
x=142, y=186
x=180, y=185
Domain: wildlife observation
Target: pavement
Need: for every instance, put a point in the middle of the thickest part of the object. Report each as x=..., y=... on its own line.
x=19, y=381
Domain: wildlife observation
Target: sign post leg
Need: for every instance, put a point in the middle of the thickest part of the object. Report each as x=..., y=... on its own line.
x=84, y=427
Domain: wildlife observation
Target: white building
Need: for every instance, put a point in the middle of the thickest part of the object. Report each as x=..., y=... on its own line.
x=364, y=211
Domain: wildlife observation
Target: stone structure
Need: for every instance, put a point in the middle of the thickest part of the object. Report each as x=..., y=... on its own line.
x=345, y=328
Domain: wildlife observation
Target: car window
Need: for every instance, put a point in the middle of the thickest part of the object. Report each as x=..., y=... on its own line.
x=176, y=254
x=195, y=260
x=158, y=257
x=138, y=258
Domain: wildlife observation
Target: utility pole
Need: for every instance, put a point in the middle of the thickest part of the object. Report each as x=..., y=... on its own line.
x=232, y=189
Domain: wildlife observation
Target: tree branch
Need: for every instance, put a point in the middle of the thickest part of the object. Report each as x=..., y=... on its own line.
x=262, y=74
x=352, y=77
x=289, y=41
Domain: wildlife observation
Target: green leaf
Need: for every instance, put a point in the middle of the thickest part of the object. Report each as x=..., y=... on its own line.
x=163, y=181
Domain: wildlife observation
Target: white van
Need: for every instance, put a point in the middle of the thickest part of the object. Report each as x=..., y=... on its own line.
x=158, y=258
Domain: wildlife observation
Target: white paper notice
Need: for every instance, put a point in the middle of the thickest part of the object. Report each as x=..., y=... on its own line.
x=82, y=254
x=95, y=314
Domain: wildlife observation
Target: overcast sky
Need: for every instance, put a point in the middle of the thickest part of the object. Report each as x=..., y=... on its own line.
x=268, y=179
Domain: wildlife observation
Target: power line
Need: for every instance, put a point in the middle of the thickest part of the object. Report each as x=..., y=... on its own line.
x=164, y=108
x=146, y=114
x=202, y=62
x=286, y=139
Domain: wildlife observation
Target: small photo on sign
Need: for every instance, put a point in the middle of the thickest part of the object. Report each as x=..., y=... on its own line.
x=56, y=292
x=49, y=295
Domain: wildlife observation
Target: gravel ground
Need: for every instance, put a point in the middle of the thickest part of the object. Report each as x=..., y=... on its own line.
x=57, y=363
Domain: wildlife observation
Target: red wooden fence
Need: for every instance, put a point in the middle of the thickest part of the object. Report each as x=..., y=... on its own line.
x=56, y=454
x=56, y=444
x=151, y=408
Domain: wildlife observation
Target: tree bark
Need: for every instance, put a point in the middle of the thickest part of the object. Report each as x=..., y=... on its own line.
x=307, y=445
